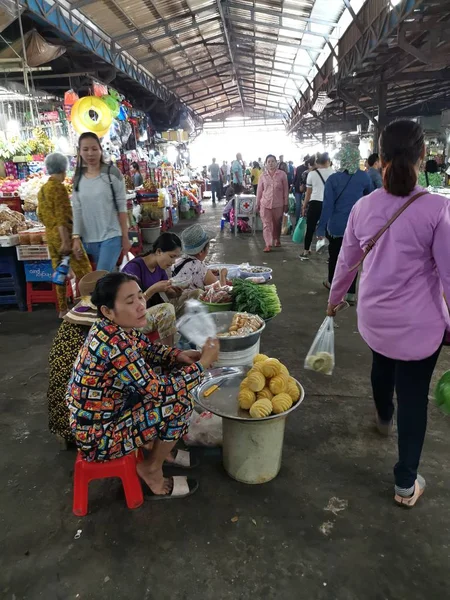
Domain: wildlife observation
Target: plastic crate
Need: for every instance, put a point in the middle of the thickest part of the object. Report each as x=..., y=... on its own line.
x=38, y=271
x=32, y=253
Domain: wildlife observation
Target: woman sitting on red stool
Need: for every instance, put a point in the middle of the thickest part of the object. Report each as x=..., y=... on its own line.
x=126, y=393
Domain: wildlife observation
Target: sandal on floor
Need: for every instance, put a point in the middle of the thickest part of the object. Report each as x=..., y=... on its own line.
x=326, y=285
x=277, y=244
x=182, y=459
x=182, y=488
x=267, y=249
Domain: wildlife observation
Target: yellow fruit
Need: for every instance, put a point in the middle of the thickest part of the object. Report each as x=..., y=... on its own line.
x=284, y=371
x=258, y=367
x=256, y=381
x=293, y=390
x=261, y=408
x=244, y=383
x=246, y=398
x=271, y=367
x=278, y=384
x=281, y=403
x=264, y=393
x=260, y=358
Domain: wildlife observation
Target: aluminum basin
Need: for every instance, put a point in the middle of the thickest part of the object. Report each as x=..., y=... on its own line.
x=233, y=344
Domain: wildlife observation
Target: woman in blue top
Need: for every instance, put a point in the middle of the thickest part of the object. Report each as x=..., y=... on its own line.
x=342, y=192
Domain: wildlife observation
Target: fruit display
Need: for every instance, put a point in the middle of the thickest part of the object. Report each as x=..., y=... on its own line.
x=261, y=300
x=40, y=143
x=29, y=191
x=129, y=185
x=243, y=324
x=268, y=388
x=10, y=186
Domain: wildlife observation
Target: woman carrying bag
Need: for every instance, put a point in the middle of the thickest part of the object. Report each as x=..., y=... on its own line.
x=401, y=235
x=100, y=219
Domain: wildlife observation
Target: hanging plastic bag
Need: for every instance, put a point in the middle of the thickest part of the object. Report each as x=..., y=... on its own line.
x=205, y=429
x=291, y=209
x=197, y=324
x=320, y=357
x=320, y=245
x=286, y=225
x=300, y=231
x=126, y=259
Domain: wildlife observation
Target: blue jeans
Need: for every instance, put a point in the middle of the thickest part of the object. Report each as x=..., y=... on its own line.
x=105, y=254
x=298, y=206
x=215, y=190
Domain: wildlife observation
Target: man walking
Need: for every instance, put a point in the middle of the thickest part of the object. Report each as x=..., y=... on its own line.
x=237, y=174
x=214, y=176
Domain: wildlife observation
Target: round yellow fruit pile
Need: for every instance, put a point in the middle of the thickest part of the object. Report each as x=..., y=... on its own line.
x=268, y=388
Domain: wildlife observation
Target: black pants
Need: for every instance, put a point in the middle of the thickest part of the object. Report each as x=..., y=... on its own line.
x=312, y=218
x=215, y=191
x=333, y=250
x=255, y=188
x=411, y=381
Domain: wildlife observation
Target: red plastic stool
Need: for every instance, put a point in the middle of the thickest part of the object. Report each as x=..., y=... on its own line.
x=124, y=468
x=45, y=293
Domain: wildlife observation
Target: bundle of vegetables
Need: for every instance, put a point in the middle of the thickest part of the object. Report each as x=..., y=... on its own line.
x=257, y=299
x=442, y=393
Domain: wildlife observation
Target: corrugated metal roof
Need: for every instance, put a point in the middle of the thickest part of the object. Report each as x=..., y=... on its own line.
x=256, y=52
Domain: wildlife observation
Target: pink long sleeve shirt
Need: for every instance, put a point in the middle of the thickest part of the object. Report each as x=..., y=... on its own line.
x=273, y=190
x=401, y=310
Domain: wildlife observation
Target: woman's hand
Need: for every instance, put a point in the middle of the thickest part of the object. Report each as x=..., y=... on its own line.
x=77, y=248
x=174, y=292
x=65, y=248
x=126, y=244
x=161, y=286
x=210, y=353
x=189, y=357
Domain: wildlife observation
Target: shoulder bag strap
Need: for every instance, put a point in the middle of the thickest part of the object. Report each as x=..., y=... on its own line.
x=112, y=189
x=320, y=175
x=376, y=237
x=181, y=266
x=344, y=188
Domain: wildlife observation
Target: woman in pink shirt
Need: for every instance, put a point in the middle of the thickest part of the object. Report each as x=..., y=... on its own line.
x=402, y=314
x=272, y=201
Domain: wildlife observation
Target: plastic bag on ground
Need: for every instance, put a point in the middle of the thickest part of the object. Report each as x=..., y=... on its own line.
x=300, y=231
x=197, y=324
x=205, y=429
x=320, y=357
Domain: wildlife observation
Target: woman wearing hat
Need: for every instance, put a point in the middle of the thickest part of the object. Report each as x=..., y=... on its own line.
x=195, y=241
x=67, y=343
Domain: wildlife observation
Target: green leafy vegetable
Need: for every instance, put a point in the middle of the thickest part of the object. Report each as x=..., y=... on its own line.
x=257, y=299
x=442, y=393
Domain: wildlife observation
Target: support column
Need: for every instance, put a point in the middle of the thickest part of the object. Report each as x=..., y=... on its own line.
x=381, y=121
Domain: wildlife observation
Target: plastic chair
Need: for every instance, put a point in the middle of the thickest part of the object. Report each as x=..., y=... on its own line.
x=124, y=468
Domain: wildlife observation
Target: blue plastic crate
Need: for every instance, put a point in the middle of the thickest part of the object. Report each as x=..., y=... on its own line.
x=38, y=271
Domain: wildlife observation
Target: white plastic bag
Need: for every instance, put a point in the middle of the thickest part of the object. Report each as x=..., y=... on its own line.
x=197, y=324
x=320, y=245
x=126, y=259
x=320, y=357
x=205, y=429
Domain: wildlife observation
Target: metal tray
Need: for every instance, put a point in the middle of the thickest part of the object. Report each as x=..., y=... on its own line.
x=223, y=402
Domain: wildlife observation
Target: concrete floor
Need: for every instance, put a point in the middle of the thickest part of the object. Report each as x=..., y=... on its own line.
x=325, y=528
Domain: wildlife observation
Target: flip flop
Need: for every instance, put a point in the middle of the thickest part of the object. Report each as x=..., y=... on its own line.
x=326, y=285
x=182, y=488
x=182, y=460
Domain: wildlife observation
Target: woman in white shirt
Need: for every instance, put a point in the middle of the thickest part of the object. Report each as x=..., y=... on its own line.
x=312, y=205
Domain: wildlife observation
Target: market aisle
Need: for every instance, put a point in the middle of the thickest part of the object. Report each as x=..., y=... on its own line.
x=326, y=527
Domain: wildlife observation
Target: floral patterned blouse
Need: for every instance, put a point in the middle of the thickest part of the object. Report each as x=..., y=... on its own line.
x=54, y=205
x=117, y=382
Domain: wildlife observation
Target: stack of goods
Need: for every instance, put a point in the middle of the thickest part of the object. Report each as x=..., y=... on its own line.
x=268, y=388
x=9, y=187
x=243, y=324
x=261, y=300
x=11, y=221
x=29, y=191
